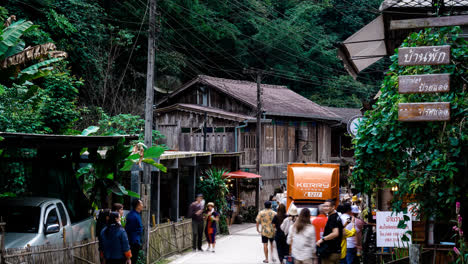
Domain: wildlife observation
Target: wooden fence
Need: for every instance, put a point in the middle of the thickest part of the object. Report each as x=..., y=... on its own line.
x=77, y=253
x=169, y=238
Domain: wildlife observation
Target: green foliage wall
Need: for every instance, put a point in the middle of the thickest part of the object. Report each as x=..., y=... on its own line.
x=213, y=186
x=426, y=160
x=295, y=39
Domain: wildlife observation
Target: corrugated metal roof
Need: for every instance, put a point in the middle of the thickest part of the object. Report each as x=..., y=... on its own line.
x=276, y=100
x=345, y=113
x=419, y=4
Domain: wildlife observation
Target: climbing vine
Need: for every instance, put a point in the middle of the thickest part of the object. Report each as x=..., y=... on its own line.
x=425, y=160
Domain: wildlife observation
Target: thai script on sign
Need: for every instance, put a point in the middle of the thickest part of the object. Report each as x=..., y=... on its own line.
x=427, y=83
x=388, y=233
x=432, y=55
x=424, y=111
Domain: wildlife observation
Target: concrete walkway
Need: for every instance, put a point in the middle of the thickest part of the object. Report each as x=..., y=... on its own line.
x=243, y=246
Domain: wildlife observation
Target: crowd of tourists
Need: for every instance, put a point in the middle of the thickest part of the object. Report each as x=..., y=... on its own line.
x=332, y=237
x=119, y=237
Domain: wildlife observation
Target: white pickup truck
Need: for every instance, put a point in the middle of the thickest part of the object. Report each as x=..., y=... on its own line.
x=37, y=221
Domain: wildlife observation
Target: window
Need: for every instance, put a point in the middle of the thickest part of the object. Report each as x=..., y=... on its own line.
x=209, y=130
x=20, y=219
x=185, y=130
x=269, y=137
x=229, y=129
x=249, y=141
x=291, y=137
x=52, y=217
x=63, y=214
x=219, y=130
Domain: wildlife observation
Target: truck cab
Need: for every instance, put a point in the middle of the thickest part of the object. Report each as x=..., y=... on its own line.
x=39, y=221
x=310, y=184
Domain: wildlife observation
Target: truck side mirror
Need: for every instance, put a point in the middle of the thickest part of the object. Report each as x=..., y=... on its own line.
x=52, y=228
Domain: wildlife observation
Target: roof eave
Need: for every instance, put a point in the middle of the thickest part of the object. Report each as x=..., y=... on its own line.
x=317, y=117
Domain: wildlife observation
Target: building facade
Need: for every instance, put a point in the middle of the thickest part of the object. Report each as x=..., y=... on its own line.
x=219, y=116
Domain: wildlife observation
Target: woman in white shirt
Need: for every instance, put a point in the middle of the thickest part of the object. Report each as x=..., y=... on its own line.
x=301, y=237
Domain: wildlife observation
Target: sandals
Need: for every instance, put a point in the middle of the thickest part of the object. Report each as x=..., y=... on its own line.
x=265, y=261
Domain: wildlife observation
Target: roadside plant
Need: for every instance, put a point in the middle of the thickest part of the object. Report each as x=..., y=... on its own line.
x=213, y=186
x=460, y=249
x=101, y=179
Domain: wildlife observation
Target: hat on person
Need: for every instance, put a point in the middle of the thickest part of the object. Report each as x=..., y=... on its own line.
x=199, y=195
x=210, y=204
x=292, y=210
x=355, y=209
x=355, y=199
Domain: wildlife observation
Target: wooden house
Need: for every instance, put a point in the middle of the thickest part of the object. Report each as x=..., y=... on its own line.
x=219, y=116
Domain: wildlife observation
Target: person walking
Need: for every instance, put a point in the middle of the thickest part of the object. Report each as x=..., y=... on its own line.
x=290, y=220
x=212, y=217
x=354, y=244
x=114, y=246
x=196, y=213
x=347, y=219
x=301, y=237
x=280, y=238
x=265, y=219
x=330, y=243
x=319, y=222
x=134, y=228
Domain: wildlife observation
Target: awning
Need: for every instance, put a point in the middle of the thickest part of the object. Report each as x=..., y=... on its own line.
x=241, y=175
x=364, y=47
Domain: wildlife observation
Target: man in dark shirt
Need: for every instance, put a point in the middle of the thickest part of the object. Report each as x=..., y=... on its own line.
x=196, y=213
x=332, y=234
x=134, y=228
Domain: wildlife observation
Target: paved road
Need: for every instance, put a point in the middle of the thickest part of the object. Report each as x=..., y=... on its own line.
x=242, y=247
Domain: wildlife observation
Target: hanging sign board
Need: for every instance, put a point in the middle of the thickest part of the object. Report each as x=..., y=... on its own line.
x=388, y=233
x=426, y=83
x=431, y=55
x=414, y=112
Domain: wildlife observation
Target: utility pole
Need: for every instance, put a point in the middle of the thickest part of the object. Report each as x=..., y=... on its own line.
x=259, y=74
x=149, y=102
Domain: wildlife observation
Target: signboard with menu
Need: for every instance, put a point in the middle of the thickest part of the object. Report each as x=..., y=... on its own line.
x=388, y=233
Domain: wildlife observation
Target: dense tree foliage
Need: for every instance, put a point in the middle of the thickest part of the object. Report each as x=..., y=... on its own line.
x=294, y=39
x=426, y=161
x=38, y=94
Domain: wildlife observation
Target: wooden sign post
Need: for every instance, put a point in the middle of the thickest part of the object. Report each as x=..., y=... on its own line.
x=416, y=112
x=431, y=55
x=426, y=83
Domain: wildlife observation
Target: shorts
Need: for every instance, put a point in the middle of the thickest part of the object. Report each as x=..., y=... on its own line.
x=265, y=239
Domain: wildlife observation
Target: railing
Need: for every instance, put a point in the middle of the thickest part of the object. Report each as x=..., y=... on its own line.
x=169, y=238
x=78, y=252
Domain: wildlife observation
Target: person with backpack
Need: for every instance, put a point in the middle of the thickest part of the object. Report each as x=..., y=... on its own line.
x=329, y=246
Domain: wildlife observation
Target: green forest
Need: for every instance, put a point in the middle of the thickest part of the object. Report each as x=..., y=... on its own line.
x=102, y=78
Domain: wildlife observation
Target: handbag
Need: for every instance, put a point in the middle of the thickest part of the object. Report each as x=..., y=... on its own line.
x=288, y=260
x=323, y=251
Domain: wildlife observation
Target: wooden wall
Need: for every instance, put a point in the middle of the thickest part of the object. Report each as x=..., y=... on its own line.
x=207, y=96
x=283, y=142
x=174, y=126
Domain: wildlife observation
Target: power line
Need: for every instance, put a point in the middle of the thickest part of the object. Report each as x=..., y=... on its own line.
x=131, y=52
